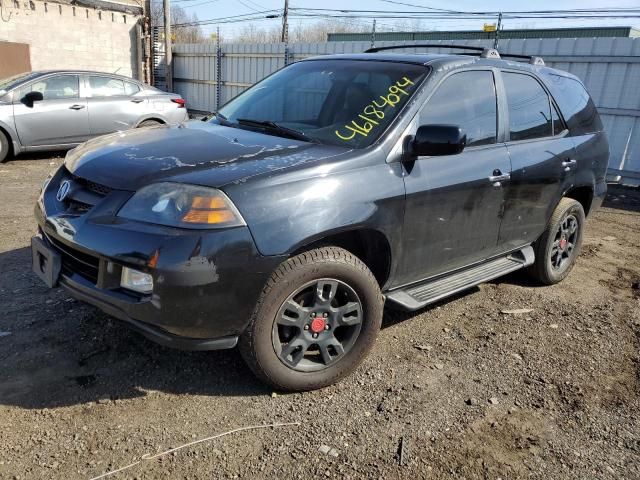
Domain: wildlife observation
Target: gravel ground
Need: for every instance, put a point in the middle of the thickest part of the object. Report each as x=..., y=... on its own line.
x=457, y=390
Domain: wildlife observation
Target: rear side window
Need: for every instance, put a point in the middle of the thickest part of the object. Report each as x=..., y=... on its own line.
x=576, y=105
x=529, y=107
x=105, y=87
x=468, y=100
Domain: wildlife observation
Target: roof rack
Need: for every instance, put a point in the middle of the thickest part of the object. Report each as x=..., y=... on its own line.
x=485, y=52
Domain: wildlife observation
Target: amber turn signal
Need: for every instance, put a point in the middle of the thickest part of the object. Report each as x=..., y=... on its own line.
x=212, y=210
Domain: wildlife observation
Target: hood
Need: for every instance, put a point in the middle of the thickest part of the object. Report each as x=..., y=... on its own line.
x=195, y=152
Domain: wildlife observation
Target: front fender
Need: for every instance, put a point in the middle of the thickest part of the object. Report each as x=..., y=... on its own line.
x=290, y=210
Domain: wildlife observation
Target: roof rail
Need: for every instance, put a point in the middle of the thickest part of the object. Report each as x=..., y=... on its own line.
x=485, y=52
x=533, y=60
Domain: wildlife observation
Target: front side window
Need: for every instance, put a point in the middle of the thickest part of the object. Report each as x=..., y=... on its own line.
x=468, y=100
x=340, y=102
x=529, y=107
x=54, y=88
x=105, y=87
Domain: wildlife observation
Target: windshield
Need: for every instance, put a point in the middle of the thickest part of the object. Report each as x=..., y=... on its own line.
x=8, y=83
x=340, y=102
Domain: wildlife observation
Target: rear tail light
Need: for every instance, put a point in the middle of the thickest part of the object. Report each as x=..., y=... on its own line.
x=180, y=101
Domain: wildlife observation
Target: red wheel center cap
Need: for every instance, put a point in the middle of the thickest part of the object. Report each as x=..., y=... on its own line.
x=317, y=325
x=563, y=243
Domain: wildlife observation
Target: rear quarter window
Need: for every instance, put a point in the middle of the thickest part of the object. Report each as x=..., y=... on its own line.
x=576, y=105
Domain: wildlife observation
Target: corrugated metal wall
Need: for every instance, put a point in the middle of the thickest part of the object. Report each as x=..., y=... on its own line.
x=610, y=68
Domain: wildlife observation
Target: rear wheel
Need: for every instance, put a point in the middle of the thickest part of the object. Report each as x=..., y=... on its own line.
x=316, y=320
x=149, y=123
x=5, y=148
x=559, y=246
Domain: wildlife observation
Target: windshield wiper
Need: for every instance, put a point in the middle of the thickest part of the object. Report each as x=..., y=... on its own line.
x=278, y=129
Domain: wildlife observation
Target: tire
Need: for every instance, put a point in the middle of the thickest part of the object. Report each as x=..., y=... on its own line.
x=149, y=123
x=559, y=246
x=336, y=302
x=5, y=148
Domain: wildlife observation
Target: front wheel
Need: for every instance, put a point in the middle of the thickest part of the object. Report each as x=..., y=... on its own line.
x=4, y=148
x=316, y=320
x=559, y=246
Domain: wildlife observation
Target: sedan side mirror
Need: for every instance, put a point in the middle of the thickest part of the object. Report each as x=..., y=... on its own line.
x=435, y=140
x=30, y=98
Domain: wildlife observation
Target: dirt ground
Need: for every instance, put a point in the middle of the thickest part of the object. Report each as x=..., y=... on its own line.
x=463, y=390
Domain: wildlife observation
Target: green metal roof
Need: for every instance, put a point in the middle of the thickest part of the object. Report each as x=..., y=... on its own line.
x=481, y=35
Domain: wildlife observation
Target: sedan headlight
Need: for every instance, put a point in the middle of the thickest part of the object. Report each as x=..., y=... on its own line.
x=185, y=206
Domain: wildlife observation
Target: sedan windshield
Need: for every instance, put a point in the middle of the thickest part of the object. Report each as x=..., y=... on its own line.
x=340, y=102
x=11, y=82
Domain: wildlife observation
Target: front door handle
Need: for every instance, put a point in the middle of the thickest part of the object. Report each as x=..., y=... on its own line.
x=137, y=100
x=76, y=107
x=567, y=164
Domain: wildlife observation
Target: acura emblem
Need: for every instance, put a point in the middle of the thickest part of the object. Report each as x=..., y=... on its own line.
x=63, y=191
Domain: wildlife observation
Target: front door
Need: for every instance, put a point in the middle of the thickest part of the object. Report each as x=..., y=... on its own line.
x=453, y=208
x=59, y=119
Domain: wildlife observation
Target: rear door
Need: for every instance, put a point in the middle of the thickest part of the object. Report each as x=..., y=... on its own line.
x=60, y=118
x=542, y=156
x=114, y=104
x=453, y=208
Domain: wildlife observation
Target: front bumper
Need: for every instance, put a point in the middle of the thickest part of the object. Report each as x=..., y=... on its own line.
x=206, y=283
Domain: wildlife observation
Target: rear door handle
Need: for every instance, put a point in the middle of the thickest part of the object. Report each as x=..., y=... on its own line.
x=137, y=100
x=76, y=107
x=499, y=178
x=567, y=164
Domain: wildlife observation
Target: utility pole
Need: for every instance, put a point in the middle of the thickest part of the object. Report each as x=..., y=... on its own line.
x=373, y=34
x=285, y=23
x=497, y=37
x=168, y=67
x=147, y=43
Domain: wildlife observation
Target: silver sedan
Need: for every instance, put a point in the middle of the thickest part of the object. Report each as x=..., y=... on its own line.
x=57, y=110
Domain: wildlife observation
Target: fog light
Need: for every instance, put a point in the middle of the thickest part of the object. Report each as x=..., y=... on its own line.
x=136, y=281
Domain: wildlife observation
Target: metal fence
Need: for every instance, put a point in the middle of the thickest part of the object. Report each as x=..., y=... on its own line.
x=208, y=75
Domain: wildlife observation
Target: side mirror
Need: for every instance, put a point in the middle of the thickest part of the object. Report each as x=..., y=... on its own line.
x=435, y=140
x=30, y=98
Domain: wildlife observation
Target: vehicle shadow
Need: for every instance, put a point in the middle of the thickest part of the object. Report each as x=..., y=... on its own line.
x=55, y=351
x=623, y=198
x=48, y=155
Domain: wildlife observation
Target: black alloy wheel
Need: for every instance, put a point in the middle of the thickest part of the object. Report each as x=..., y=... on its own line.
x=316, y=320
x=561, y=254
x=558, y=247
x=317, y=325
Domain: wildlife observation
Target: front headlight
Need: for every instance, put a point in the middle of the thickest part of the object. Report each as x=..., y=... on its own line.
x=185, y=206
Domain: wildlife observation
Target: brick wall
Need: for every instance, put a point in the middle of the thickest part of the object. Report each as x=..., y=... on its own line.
x=63, y=36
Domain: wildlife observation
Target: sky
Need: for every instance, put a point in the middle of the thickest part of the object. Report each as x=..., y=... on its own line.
x=209, y=9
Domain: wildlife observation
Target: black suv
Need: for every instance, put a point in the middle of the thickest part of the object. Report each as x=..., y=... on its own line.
x=284, y=221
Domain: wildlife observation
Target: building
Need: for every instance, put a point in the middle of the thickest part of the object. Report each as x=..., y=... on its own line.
x=624, y=32
x=100, y=35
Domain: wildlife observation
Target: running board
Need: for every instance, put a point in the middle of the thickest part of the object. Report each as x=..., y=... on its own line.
x=418, y=295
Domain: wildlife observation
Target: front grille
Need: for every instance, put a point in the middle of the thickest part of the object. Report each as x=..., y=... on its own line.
x=94, y=187
x=75, y=261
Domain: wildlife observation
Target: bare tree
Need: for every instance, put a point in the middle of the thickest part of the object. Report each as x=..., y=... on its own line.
x=181, y=33
x=315, y=32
